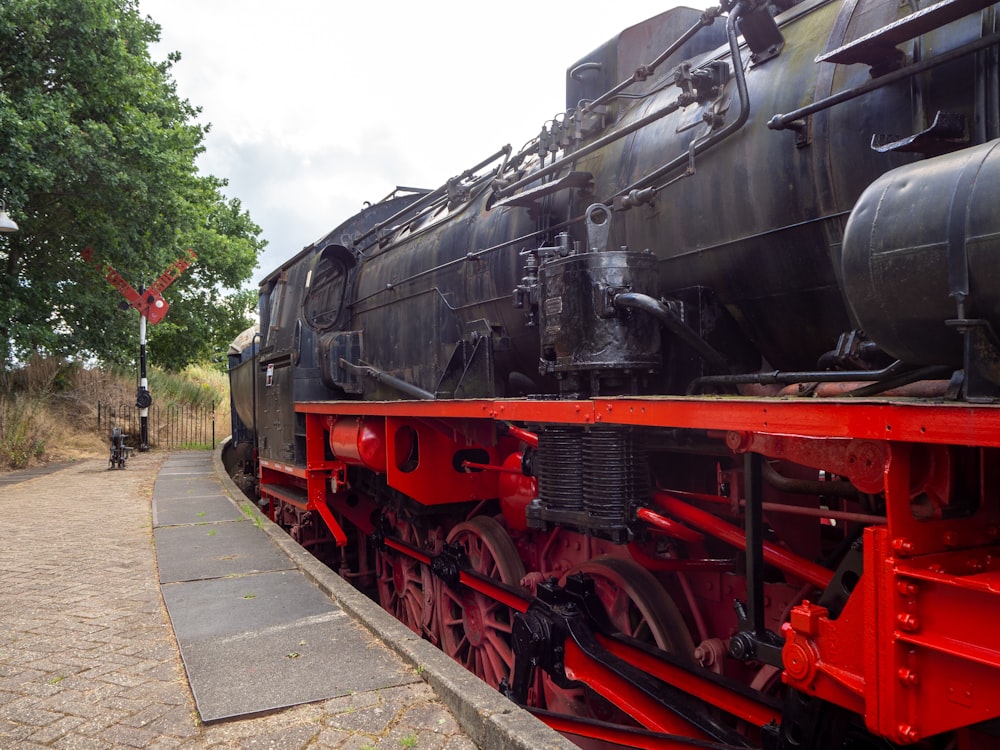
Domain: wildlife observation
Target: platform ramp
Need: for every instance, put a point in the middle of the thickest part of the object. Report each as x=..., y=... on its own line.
x=254, y=634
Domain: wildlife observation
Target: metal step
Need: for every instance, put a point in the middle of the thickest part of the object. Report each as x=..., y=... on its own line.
x=292, y=495
x=878, y=49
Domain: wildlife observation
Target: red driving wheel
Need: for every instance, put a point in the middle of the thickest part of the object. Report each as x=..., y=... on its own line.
x=638, y=606
x=475, y=630
x=403, y=583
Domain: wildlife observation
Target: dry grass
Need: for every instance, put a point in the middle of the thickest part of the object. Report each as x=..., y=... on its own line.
x=49, y=409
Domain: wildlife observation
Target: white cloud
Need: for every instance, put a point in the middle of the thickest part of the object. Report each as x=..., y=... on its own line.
x=317, y=106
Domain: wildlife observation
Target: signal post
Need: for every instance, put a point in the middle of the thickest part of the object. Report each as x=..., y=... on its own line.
x=152, y=308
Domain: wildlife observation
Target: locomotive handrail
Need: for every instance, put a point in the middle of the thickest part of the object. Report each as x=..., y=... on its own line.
x=791, y=120
x=435, y=205
x=390, y=380
x=471, y=189
x=255, y=351
x=472, y=255
x=642, y=122
x=440, y=192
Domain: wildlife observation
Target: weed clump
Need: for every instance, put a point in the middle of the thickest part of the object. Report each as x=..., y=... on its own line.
x=21, y=440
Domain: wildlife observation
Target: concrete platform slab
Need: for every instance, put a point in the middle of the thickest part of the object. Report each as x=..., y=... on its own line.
x=185, y=459
x=282, y=665
x=186, y=485
x=190, y=468
x=171, y=509
x=259, y=642
x=215, y=550
x=254, y=633
x=228, y=606
x=182, y=472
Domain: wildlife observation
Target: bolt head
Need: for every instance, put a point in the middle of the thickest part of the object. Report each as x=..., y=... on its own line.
x=902, y=546
x=907, y=733
x=908, y=622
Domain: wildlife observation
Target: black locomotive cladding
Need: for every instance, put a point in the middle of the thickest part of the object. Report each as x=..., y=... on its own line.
x=706, y=214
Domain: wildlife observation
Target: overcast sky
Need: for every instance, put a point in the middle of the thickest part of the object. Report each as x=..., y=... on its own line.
x=317, y=106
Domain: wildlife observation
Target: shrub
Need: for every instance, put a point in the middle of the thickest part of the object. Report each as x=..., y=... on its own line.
x=22, y=438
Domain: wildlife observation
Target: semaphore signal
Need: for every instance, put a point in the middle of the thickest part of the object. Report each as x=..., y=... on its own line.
x=152, y=307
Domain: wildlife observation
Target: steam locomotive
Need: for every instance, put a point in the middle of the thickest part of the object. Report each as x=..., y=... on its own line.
x=678, y=425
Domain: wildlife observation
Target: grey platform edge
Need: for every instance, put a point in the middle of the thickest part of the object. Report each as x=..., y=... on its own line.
x=491, y=720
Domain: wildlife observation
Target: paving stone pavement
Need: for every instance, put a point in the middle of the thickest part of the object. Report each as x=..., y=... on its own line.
x=87, y=656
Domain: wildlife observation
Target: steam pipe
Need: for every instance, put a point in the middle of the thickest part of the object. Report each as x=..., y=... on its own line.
x=710, y=140
x=640, y=123
x=672, y=321
x=807, y=486
x=707, y=18
x=600, y=143
x=788, y=378
x=892, y=376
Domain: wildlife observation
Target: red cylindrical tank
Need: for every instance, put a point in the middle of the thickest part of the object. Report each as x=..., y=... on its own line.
x=359, y=441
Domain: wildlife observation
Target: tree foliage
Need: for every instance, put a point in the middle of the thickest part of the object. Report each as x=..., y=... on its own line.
x=97, y=149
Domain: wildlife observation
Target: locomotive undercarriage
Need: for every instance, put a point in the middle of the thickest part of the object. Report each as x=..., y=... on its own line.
x=767, y=582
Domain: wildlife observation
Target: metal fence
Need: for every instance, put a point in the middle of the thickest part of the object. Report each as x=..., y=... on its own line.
x=169, y=426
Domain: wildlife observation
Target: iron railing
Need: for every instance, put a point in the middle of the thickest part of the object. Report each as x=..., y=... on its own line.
x=169, y=426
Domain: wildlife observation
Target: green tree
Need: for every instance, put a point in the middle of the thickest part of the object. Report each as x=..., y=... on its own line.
x=199, y=328
x=97, y=149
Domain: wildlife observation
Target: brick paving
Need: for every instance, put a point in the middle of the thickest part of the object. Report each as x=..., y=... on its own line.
x=87, y=656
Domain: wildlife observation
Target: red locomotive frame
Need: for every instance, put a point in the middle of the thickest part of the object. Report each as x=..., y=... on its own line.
x=913, y=650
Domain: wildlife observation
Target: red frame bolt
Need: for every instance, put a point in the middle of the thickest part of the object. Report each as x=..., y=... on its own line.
x=908, y=622
x=907, y=676
x=907, y=588
x=902, y=546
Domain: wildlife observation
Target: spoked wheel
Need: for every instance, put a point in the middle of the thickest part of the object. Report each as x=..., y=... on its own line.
x=638, y=606
x=404, y=584
x=475, y=630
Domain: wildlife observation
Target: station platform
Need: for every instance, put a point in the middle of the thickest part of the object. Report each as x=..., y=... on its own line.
x=153, y=607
